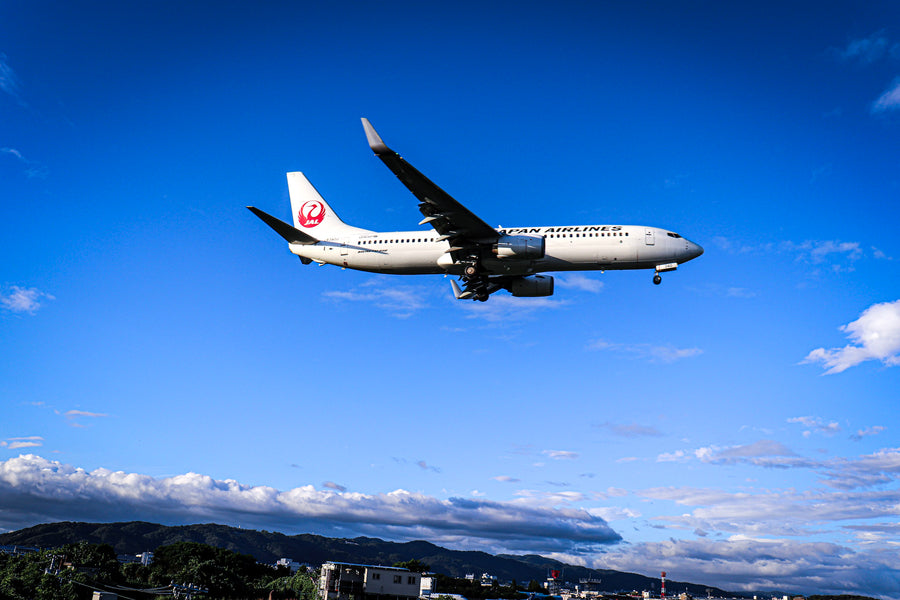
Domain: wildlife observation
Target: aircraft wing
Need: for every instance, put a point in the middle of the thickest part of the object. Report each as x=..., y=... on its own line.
x=456, y=223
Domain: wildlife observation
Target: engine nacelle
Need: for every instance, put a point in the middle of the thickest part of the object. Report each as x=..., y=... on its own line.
x=519, y=246
x=532, y=286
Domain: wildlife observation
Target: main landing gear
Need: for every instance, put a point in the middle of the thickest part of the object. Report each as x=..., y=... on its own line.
x=476, y=281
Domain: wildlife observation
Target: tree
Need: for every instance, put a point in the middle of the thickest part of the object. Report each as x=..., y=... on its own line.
x=225, y=574
x=302, y=585
x=413, y=565
x=535, y=586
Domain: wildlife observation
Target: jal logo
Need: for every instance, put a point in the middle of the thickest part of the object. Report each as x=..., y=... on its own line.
x=311, y=214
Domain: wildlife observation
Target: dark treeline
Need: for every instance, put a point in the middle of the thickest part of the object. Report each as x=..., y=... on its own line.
x=74, y=571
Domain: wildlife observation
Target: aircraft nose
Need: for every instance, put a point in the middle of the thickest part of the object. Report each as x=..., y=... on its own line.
x=693, y=250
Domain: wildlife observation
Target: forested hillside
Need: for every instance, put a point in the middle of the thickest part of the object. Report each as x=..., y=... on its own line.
x=136, y=536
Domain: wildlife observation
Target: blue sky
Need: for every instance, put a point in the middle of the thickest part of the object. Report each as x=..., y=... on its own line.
x=165, y=358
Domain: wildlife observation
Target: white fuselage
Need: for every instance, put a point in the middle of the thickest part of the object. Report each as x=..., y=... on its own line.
x=575, y=248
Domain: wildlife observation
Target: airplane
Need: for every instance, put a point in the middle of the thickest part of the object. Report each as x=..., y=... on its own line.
x=484, y=259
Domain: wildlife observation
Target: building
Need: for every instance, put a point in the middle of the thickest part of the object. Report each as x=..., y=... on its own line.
x=426, y=586
x=340, y=581
x=293, y=565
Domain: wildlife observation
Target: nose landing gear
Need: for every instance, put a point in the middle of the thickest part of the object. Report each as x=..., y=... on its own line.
x=657, y=279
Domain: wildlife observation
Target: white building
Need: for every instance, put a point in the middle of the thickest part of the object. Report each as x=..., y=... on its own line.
x=339, y=581
x=293, y=565
x=426, y=587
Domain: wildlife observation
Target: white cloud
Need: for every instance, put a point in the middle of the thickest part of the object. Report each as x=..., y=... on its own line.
x=875, y=336
x=651, y=352
x=748, y=564
x=402, y=301
x=739, y=292
x=867, y=50
x=502, y=308
x=506, y=479
x=578, y=281
x=861, y=433
x=677, y=456
x=821, y=251
x=889, y=100
x=879, y=468
x=32, y=169
x=631, y=430
x=9, y=82
x=426, y=467
x=757, y=449
x=560, y=454
x=838, y=256
x=74, y=417
x=16, y=443
x=34, y=489
x=764, y=453
x=82, y=413
x=23, y=300
x=816, y=425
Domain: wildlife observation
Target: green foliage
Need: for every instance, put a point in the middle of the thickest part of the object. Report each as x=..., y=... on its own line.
x=74, y=570
x=301, y=586
x=66, y=573
x=224, y=573
x=413, y=565
x=535, y=586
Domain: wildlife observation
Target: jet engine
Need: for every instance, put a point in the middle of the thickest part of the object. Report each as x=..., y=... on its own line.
x=519, y=246
x=532, y=286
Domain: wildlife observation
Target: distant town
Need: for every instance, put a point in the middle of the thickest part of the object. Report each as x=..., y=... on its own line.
x=82, y=561
x=350, y=581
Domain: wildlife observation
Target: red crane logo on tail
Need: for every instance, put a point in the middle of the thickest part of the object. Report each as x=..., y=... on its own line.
x=311, y=214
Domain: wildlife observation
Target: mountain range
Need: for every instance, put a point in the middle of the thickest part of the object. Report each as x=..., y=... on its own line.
x=137, y=536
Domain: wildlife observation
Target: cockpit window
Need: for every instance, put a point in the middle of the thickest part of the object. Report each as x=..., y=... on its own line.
x=672, y=235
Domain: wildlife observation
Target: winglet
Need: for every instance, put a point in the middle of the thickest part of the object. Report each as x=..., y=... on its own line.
x=290, y=234
x=375, y=142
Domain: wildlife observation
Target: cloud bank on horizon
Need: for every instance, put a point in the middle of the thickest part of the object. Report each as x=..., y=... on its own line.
x=733, y=529
x=34, y=489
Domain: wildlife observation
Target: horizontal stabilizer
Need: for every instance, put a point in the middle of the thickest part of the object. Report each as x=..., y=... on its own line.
x=291, y=234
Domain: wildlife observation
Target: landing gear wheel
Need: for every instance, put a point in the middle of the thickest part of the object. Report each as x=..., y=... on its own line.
x=470, y=270
x=657, y=279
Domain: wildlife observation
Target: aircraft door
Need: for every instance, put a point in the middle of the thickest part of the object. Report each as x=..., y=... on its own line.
x=649, y=237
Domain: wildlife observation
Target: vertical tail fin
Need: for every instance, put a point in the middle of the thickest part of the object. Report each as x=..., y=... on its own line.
x=310, y=211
